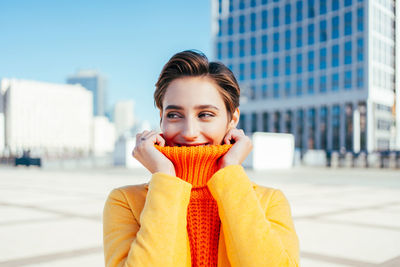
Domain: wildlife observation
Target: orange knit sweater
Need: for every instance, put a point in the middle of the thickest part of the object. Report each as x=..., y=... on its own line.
x=196, y=165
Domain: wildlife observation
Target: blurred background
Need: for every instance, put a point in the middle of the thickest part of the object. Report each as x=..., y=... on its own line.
x=319, y=98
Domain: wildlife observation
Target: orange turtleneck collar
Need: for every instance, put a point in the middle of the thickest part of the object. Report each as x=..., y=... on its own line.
x=196, y=165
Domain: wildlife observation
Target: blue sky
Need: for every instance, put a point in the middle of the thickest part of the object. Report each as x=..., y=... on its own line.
x=127, y=41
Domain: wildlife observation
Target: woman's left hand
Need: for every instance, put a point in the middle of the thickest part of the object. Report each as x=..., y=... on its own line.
x=241, y=148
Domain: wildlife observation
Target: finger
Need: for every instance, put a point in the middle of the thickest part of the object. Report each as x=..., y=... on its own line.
x=235, y=135
x=160, y=140
x=227, y=138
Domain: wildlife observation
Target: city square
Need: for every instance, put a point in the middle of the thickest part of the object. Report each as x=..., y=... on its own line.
x=343, y=217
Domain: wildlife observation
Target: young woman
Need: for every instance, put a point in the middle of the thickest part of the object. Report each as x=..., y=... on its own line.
x=199, y=207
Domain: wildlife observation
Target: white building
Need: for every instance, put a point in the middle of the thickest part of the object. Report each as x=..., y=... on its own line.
x=124, y=118
x=321, y=70
x=51, y=120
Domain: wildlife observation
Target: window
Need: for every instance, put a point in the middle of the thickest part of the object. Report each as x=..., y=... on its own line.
x=230, y=5
x=347, y=23
x=360, y=19
x=347, y=79
x=322, y=58
x=299, y=36
x=347, y=53
x=253, y=21
x=299, y=60
x=264, y=91
x=335, y=27
x=360, y=48
x=253, y=3
x=335, y=126
x=242, y=4
x=276, y=67
x=311, y=10
x=299, y=10
x=264, y=44
x=253, y=69
x=323, y=126
x=310, y=89
x=335, y=82
x=248, y=72
x=242, y=26
x=335, y=5
x=253, y=43
x=219, y=50
x=322, y=84
x=230, y=49
x=287, y=14
x=242, y=122
x=276, y=42
x=252, y=92
x=264, y=68
x=335, y=55
x=310, y=34
x=276, y=90
x=323, y=34
x=310, y=60
x=287, y=65
x=265, y=122
x=276, y=16
x=322, y=7
x=287, y=40
x=287, y=89
x=276, y=122
x=254, y=122
x=299, y=128
x=242, y=48
x=360, y=78
x=219, y=27
x=264, y=19
x=347, y=2
x=230, y=25
x=241, y=71
x=299, y=87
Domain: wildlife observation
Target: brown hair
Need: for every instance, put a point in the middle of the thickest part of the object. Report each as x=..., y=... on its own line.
x=193, y=63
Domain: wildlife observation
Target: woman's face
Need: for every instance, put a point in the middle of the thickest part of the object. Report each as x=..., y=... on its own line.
x=194, y=113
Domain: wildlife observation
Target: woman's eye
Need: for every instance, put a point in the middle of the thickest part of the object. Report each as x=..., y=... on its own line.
x=206, y=115
x=172, y=115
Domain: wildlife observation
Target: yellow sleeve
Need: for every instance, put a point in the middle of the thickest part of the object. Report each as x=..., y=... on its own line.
x=158, y=236
x=255, y=235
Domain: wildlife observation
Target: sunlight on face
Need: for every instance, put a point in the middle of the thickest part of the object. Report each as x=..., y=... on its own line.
x=194, y=113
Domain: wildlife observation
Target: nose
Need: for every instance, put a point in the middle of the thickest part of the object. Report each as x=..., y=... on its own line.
x=190, y=130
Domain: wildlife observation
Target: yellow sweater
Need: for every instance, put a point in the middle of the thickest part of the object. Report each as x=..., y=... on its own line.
x=145, y=225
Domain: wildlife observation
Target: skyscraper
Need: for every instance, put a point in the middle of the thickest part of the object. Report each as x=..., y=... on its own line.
x=95, y=83
x=323, y=70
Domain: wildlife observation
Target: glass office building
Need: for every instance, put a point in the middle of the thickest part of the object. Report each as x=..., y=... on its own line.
x=96, y=83
x=323, y=70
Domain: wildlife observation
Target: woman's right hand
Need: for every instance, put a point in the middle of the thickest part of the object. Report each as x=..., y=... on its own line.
x=149, y=156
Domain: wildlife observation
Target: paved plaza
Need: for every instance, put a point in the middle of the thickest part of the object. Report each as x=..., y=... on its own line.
x=343, y=217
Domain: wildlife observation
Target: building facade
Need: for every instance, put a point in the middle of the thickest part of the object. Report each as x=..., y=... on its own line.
x=95, y=83
x=124, y=117
x=323, y=70
x=50, y=120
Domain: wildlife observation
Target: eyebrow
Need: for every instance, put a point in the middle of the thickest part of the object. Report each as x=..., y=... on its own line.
x=196, y=107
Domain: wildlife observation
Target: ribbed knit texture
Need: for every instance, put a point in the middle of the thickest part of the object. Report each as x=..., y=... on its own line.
x=196, y=165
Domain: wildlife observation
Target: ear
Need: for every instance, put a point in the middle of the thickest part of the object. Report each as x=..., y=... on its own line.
x=235, y=119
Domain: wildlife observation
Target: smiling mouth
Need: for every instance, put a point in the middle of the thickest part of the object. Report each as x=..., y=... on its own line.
x=204, y=144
